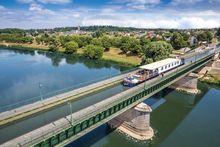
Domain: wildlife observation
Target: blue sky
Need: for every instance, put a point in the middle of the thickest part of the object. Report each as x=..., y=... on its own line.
x=128, y=13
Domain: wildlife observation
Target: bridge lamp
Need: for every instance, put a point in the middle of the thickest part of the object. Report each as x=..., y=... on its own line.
x=71, y=112
x=40, y=88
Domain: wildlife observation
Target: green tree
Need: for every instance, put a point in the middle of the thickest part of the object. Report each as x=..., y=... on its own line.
x=38, y=40
x=218, y=32
x=209, y=36
x=106, y=44
x=177, y=41
x=115, y=41
x=53, y=48
x=185, y=36
x=130, y=44
x=93, y=52
x=157, y=50
x=98, y=33
x=64, y=39
x=144, y=41
x=71, y=47
x=205, y=36
x=96, y=41
x=82, y=40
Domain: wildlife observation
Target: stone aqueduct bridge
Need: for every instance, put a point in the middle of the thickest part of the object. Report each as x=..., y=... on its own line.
x=68, y=129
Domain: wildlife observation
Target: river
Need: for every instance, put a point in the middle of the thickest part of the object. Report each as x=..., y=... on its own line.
x=181, y=120
x=26, y=76
x=178, y=119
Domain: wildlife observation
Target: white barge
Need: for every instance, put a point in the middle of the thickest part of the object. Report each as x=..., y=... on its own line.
x=151, y=70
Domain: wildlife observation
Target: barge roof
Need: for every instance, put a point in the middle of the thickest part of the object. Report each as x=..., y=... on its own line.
x=158, y=64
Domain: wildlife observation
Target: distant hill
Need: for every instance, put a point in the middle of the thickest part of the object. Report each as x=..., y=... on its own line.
x=92, y=29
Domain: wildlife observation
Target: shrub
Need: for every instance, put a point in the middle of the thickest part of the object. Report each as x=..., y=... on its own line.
x=93, y=52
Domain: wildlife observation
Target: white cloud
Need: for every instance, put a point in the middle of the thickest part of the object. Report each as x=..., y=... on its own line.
x=39, y=17
x=187, y=2
x=54, y=1
x=2, y=7
x=35, y=7
x=137, y=4
x=25, y=1
x=198, y=22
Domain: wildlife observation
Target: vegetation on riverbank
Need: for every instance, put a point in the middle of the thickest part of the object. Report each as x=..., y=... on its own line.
x=112, y=55
x=211, y=79
x=122, y=47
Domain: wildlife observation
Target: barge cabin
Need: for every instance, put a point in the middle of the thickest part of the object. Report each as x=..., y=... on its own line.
x=152, y=70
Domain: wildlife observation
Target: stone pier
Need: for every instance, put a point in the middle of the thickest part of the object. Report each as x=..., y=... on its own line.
x=135, y=122
x=187, y=84
x=216, y=56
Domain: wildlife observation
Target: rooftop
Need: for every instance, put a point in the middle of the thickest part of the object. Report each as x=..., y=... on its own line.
x=158, y=64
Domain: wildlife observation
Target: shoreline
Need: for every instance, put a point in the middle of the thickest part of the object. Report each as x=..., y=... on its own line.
x=210, y=80
x=106, y=58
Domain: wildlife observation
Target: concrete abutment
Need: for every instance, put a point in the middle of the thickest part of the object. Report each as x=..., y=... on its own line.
x=135, y=122
x=187, y=84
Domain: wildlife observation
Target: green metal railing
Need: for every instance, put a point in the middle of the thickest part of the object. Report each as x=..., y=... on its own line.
x=125, y=103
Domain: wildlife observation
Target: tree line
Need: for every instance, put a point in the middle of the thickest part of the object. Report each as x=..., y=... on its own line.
x=93, y=46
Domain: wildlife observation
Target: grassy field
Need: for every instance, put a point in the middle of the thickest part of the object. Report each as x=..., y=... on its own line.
x=114, y=54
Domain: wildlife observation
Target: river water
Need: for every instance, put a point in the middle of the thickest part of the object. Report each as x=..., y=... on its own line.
x=26, y=75
x=178, y=119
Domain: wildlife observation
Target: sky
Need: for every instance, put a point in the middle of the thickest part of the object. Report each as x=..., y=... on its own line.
x=180, y=14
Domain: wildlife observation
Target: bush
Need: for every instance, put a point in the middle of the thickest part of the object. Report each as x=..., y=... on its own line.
x=157, y=50
x=93, y=52
x=71, y=47
x=53, y=48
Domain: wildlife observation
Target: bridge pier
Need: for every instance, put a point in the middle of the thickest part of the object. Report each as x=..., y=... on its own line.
x=216, y=57
x=187, y=84
x=134, y=122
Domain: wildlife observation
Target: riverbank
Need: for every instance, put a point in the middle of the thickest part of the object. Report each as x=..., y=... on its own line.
x=113, y=55
x=212, y=75
x=211, y=79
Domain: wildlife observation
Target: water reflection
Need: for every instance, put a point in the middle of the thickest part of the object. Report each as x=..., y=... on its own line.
x=165, y=119
x=23, y=70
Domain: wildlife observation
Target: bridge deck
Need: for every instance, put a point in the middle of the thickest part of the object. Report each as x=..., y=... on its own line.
x=27, y=110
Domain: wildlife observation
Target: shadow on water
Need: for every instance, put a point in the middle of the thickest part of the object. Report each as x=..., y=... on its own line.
x=92, y=136
x=164, y=120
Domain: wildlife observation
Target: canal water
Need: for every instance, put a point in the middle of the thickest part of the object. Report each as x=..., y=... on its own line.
x=178, y=119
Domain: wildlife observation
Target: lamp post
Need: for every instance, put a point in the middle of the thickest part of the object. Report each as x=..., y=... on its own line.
x=110, y=74
x=71, y=112
x=40, y=88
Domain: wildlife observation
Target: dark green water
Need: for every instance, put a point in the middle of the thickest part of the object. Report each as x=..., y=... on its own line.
x=181, y=121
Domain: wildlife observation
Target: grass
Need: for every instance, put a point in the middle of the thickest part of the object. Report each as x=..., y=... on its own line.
x=116, y=55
